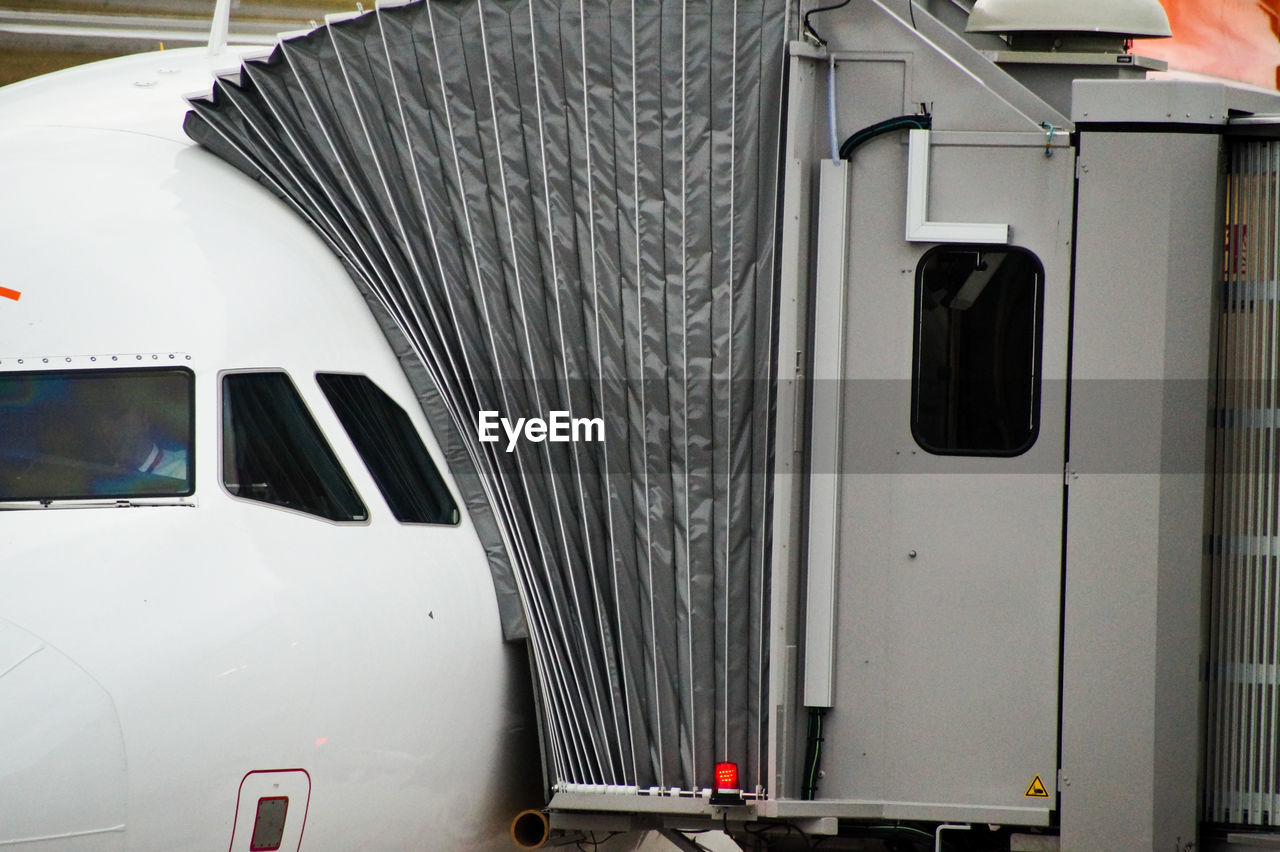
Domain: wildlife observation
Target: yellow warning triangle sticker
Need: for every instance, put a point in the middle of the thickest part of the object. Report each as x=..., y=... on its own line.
x=1036, y=790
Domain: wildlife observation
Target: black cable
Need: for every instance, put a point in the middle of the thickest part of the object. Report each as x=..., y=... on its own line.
x=808, y=27
x=764, y=827
x=813, y=753
x=921, y=121
x=911, y=7
x=595, y=844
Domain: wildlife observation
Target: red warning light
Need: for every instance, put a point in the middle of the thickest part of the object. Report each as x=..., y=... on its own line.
x=727, y=776
x=727, y=792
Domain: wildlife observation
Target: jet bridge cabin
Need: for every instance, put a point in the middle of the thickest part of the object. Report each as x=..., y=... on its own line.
x=1020, y=399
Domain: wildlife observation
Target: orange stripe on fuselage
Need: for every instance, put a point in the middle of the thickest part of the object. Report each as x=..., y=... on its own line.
x=10, y=294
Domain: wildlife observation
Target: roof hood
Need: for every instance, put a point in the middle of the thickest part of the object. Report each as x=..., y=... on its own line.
x=1128, y=18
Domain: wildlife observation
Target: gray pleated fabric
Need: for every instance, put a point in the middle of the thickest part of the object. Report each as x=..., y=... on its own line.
x=570, y=206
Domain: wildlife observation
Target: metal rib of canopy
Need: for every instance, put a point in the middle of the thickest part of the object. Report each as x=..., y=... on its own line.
x=569, y=206
x=1242, y=784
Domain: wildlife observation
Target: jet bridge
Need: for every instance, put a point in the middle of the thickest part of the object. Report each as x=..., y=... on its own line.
x=920, y=387
x=1005, y=596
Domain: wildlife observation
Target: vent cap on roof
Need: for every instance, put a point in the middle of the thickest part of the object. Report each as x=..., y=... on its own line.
x=1125, y=18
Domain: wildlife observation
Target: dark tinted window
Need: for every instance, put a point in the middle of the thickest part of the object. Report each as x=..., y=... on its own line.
x=976, y=384
x=83, y=434
x=273, y=451
x=384, y=435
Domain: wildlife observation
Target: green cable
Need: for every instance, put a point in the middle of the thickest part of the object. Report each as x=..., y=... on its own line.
x=815, y=720
x=919, y=122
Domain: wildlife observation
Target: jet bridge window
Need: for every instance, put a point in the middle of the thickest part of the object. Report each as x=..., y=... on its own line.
x=96, y=434
x=976, y=376
x=273, y=451
x=384, y=436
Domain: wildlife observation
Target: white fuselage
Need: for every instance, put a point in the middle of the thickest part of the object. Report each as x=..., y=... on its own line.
x=163, y=667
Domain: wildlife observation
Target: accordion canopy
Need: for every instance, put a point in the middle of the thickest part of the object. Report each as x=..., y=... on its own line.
x=569, y=207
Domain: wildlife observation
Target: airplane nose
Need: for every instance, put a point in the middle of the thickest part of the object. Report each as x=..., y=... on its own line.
x=62, y=759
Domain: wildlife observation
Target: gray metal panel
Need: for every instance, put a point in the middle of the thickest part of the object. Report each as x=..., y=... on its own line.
x=789, y=426
x=1166, y=101
x=946, y=685
x=966, y=91
x=1053, y=81
x=946, y=701
x=885, y=67
x=1105, y=60
x=1148, y=249
x=925, y=811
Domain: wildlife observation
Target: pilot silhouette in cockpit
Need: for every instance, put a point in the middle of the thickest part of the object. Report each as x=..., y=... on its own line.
x=134, y=445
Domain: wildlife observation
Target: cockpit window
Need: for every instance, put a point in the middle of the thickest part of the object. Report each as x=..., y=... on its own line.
x=89, y=434
x=273, y=451
x=384, y=436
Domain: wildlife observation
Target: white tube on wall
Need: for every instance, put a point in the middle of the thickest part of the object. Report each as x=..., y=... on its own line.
x=824, y=433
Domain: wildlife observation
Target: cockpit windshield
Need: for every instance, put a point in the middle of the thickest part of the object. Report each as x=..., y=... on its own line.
x=96, y=434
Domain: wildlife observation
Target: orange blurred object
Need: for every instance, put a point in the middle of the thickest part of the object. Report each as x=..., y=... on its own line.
x=1236, y=39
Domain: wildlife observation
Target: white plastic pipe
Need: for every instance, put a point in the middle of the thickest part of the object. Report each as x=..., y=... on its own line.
x=831, y=108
